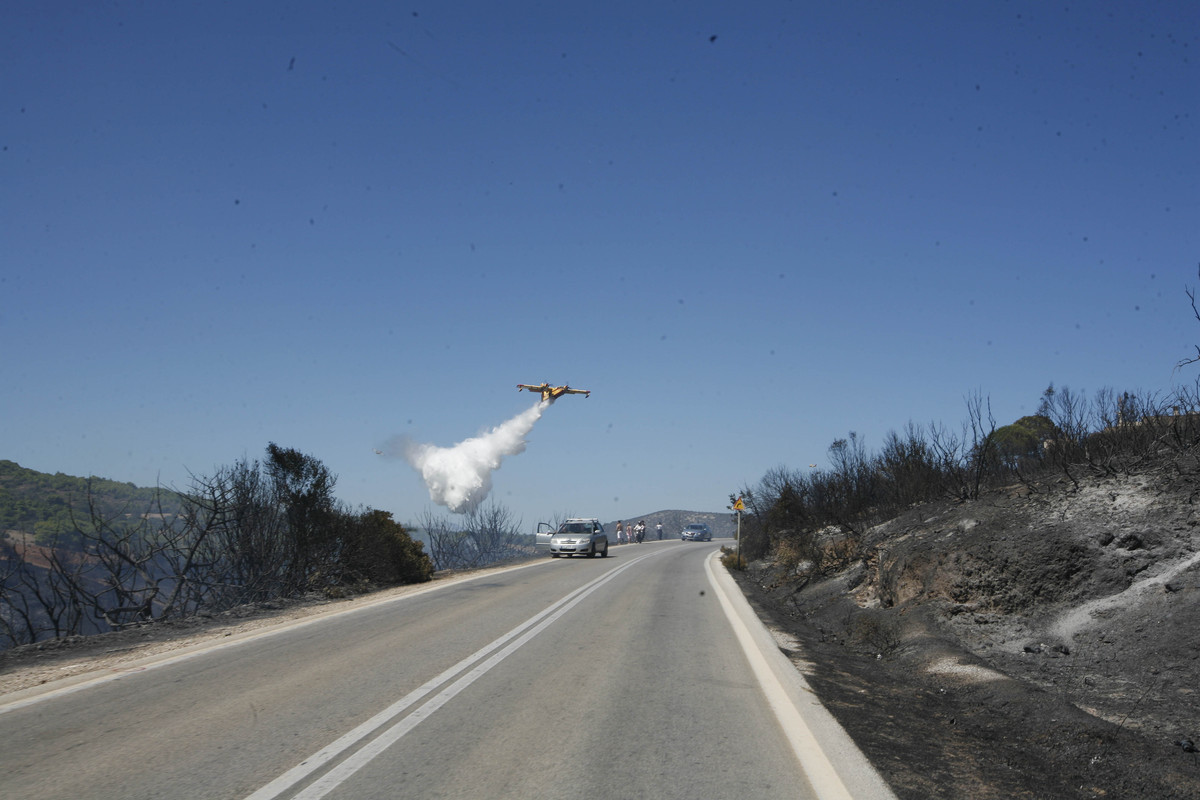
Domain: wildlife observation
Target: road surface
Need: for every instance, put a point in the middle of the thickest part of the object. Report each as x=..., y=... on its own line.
x=631, y=676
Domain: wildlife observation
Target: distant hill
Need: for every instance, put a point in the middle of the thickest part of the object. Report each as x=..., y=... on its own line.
x=42, y=505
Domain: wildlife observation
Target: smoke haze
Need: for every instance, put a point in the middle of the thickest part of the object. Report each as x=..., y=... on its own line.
x=460, y=477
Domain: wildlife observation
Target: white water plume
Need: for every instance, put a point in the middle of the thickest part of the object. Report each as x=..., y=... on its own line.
x=460, y=477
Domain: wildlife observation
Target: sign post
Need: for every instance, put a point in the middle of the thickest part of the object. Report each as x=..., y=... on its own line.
x=738, y=508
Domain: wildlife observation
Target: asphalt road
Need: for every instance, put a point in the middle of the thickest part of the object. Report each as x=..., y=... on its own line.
x=625, y=677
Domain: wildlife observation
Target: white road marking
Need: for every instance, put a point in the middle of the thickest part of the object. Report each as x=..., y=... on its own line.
x=514, y=639
x=783, y=687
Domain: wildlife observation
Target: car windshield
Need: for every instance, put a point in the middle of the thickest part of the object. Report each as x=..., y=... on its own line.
x=575, y=527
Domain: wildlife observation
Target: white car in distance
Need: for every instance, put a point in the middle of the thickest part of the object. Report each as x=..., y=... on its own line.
x=579, y=536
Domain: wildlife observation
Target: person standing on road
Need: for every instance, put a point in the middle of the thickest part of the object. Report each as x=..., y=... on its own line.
x=658, y=530
x=620, y=533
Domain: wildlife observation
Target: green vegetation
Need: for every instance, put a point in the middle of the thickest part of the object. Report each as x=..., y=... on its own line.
x=47, y=506
x=1023, y=438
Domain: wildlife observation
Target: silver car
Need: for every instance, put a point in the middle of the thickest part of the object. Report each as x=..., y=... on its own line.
x=583, y=537
x=696, y=532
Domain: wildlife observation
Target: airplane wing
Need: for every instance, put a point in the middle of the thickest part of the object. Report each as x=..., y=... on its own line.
x=549, y=392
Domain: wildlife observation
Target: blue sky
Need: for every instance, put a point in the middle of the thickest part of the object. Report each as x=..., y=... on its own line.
x=748, y=230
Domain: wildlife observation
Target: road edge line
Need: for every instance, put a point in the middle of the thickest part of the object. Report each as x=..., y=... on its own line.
x=834, y=764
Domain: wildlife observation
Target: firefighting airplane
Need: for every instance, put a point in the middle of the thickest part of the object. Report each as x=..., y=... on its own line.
x=549, y=392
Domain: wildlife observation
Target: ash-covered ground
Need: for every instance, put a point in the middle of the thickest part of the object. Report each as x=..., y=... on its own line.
x=1041, y=642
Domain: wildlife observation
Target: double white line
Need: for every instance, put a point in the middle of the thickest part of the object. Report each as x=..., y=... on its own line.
x=478, y=663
